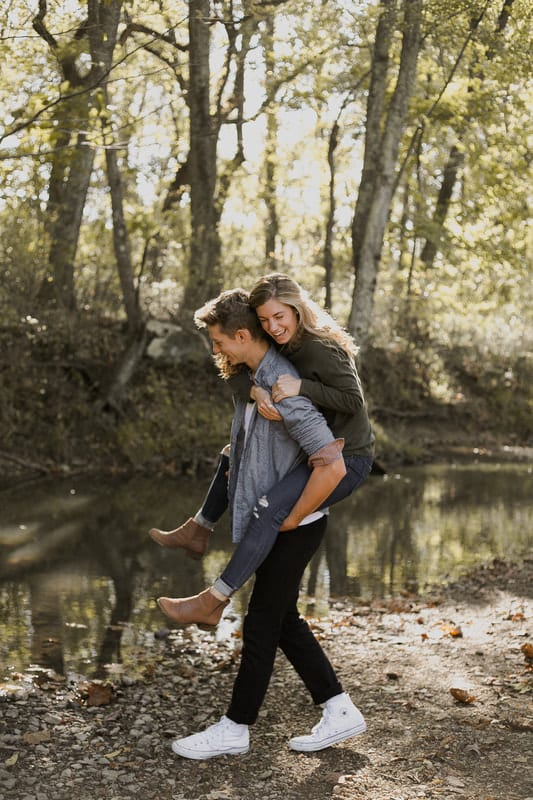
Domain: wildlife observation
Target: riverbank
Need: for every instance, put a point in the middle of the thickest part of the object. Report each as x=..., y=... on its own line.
x=398, y=658
x=60, y=416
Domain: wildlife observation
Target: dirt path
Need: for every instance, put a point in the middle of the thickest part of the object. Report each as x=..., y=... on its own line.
x=398, y=659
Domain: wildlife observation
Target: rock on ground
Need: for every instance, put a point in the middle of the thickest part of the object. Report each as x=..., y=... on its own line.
x=399, y=659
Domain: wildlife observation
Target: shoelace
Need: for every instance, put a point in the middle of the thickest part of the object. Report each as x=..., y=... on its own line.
x=211, y=733
x=326, y=720
x=323, y=722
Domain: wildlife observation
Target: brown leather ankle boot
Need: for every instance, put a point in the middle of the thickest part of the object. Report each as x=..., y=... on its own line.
x=191, y=536
x=202, y=609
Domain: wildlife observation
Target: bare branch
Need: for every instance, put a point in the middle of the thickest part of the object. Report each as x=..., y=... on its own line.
x=40, y=28
x=167, y=36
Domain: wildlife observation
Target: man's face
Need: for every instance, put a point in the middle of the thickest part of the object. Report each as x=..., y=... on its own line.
x=234, y=348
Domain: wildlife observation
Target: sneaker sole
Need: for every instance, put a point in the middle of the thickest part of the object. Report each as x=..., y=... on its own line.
x=312, y=747
x=202, y=755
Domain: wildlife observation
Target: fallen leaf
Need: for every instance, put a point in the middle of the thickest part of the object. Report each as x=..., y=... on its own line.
x=115, y=753
x=451, y=630
x=462, y=696
x=527, y=649
x=36, y=737
x=12, y=760
x=96, y=693
x=447, y=741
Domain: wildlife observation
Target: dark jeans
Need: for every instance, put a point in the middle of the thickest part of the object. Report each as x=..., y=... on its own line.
x=273, y=621
x=216, y=499
x=267, y=517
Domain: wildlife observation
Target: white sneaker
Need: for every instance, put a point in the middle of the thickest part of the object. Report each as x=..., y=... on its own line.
x=223, y=738
x=340, y=720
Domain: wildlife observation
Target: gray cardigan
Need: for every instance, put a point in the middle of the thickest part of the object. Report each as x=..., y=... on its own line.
x=271, y=449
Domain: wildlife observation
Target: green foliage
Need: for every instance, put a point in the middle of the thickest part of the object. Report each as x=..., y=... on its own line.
x=172, y=418
x=472, y=92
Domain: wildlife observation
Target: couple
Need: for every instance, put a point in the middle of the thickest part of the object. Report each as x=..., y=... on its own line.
x=287, y=463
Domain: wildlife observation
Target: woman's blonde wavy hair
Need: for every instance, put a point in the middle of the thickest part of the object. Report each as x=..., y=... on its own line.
x=312, y=319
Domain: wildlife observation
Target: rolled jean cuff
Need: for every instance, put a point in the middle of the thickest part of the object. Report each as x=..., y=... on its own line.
x=205, y=523
x=326, y=455
x=223, y=587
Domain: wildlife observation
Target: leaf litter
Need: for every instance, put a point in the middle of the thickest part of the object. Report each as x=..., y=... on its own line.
x=445, y=712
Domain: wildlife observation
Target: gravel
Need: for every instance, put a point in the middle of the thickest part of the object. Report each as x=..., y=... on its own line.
x=398, y=659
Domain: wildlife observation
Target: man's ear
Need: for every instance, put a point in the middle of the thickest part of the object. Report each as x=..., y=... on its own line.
x=243, y=335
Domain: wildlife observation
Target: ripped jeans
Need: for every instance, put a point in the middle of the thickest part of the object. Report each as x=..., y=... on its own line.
x=270, y=513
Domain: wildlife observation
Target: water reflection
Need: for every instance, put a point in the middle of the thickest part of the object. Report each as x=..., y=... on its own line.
x=79, y=575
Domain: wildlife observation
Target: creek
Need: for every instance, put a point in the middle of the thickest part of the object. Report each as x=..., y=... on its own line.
x=79, y=575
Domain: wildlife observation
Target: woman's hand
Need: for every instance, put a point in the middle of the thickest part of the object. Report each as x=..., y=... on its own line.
x=286, y=386
x=264, y=404
x=289, y=524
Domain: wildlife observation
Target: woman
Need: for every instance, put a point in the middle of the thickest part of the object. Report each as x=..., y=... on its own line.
x=323, y=354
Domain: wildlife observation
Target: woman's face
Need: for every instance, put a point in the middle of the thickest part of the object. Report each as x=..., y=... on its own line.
x=278, y=319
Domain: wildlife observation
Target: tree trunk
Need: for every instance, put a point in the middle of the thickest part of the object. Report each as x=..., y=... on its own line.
x=114, y=391
x=330, y=219
x=208, y=111
x=204, y=274
x=67, y=193
x=121, y=241
x=383, y=136
x=272, y=222
x=136, y=340
x=449, y=178
x=70, y=175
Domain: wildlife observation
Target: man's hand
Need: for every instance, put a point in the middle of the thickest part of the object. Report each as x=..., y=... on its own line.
x=264, y=404
x=286, y=386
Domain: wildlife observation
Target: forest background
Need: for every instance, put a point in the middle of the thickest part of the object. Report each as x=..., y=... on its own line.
x=153, y=153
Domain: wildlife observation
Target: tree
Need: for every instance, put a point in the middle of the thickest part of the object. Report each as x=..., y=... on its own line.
x=121, y=240
x=204, y=278
x=72, y=154
x=455, y=158
x=384, y=128
x=272, y=221
x=211, y=102
x=181, y=192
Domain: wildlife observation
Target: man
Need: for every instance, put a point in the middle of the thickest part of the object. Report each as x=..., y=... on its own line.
x=261, y=454
x=272, y=451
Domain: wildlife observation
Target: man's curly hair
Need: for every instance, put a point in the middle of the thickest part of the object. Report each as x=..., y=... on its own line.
x=231, y=311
